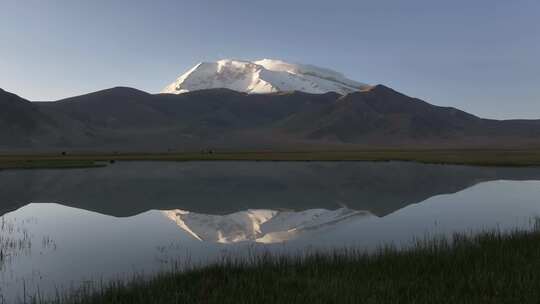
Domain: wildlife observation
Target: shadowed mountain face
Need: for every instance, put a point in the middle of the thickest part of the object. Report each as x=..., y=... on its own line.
x=129, y=188
x=125, y=119
x=21, y=122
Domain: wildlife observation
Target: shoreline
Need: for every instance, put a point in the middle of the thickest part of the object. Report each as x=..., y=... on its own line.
x=514, y=158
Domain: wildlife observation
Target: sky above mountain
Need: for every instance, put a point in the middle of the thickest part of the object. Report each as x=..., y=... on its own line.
x=481, y=56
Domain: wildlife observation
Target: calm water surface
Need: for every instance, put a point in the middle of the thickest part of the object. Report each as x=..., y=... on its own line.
x=63, y=228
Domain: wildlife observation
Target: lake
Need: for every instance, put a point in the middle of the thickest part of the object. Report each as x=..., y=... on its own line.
x=62, y=229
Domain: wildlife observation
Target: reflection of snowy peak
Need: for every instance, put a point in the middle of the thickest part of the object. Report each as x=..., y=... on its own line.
x=264, y=226
x=263, y=76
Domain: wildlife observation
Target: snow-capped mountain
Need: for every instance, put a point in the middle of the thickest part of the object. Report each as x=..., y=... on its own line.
x=263, y=76
x=259, y=225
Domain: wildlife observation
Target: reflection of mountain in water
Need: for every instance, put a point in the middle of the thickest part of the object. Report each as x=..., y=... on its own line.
x=262, y=226
x=129, y=188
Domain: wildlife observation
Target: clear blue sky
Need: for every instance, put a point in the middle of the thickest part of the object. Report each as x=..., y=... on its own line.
x=482, y=56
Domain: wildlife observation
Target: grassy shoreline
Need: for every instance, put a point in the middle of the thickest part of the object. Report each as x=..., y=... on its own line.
x=48, y=164
x=457, y=157
x=491, y=267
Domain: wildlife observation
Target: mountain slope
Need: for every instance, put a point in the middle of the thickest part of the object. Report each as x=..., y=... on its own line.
x=118, y=107
x=262, y=76
x=126, y=119
x=382, y=113
x=21, y=122
x=384, y=117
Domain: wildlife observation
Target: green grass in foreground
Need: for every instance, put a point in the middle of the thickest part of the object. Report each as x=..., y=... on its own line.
x=461, y=157
x=488, y=268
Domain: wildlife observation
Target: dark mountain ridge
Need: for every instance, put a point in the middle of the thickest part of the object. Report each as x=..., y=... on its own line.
x=127, y=119
x=22, y=122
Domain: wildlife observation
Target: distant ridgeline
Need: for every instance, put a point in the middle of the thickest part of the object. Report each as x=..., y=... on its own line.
x=126, y=119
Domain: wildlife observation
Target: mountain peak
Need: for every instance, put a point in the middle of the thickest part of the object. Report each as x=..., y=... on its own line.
x=381, y=88
x=263, y=76
x=124, y=89
x=118, y=93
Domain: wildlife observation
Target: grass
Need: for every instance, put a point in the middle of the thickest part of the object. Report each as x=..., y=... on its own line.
x=35, y=163
x=14, y=240
x=488, y=268
x=461, y=157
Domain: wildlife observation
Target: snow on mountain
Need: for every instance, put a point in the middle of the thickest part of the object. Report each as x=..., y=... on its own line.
x=258, y=225
x=263, y=76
